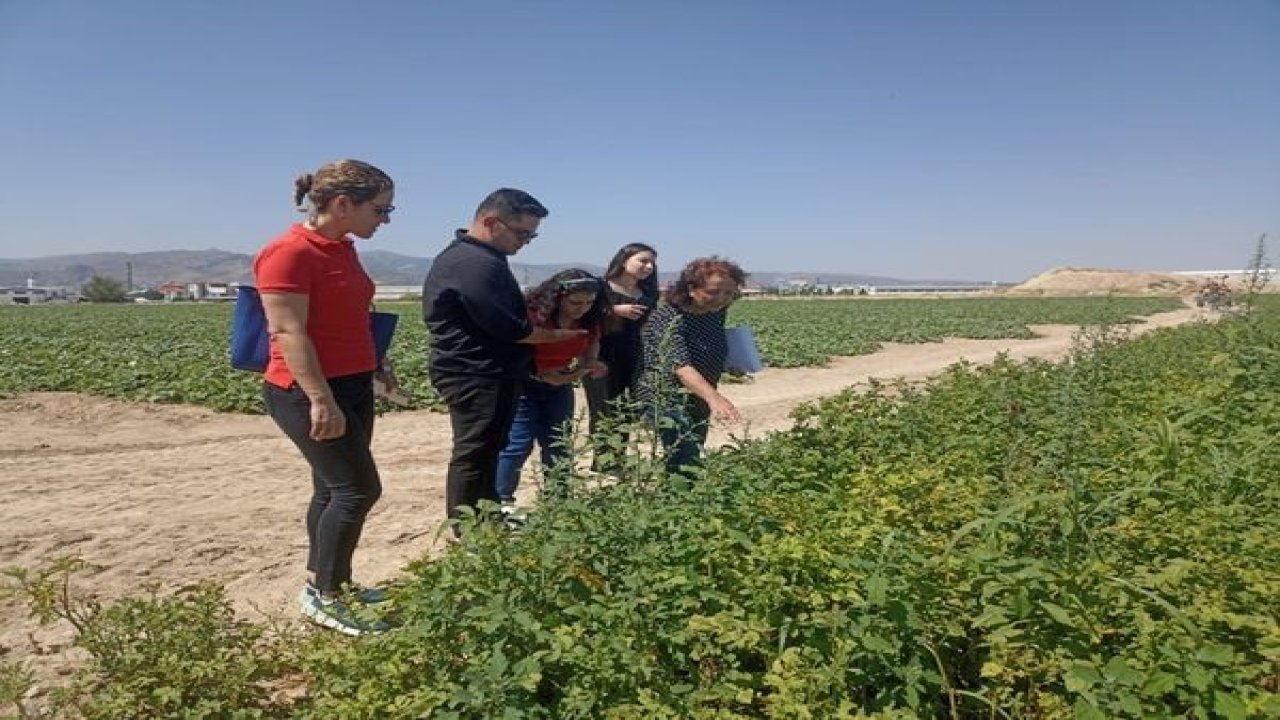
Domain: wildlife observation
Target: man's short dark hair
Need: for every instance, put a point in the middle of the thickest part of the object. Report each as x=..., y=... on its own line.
x=507, y=203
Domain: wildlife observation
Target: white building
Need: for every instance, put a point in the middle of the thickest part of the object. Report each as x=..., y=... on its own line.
x=396, y=292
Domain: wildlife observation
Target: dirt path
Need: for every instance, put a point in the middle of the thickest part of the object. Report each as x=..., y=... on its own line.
x=173, y=494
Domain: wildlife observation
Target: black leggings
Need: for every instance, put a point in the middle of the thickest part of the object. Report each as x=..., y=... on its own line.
x=344, y=478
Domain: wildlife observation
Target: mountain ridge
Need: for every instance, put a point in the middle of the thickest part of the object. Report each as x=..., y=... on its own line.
x=153, y=268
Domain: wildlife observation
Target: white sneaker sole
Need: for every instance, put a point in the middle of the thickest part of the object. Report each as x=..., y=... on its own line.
x=315, y=615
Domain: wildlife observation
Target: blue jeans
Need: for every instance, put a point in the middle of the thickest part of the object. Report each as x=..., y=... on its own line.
x=544, y=413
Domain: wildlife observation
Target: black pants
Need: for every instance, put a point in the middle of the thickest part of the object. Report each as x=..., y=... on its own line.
x=607, y=397
x=344, y=478
x=480, y=411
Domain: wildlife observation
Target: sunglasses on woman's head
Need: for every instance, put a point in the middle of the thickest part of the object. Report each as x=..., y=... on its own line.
x=581, y=284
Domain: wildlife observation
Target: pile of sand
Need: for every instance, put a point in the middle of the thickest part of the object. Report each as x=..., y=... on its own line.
x=1095, y=281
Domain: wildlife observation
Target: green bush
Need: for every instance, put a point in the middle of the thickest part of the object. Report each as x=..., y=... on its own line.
x=182, y=655
x=1093, y=538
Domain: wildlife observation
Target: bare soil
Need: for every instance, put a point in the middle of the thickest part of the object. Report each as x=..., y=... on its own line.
x=175, y=495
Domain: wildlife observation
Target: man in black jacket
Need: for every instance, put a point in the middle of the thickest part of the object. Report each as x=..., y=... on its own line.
x=480, y=337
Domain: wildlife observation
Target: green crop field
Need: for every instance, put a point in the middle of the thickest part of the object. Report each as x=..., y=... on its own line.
x=795, y=333
x=178, y=353
x=1094, y=538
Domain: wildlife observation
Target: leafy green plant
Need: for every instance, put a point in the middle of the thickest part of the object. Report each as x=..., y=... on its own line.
x=996, y=543
x=153, y=656
x=16, y=683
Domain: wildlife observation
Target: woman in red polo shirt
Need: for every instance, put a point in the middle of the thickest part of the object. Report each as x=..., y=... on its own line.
x=319, y=378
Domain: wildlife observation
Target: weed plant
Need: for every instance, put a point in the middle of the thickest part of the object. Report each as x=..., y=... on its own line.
x=177, y=655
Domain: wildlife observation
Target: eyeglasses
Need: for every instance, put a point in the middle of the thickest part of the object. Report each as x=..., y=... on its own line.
x=581, y=284
x=521, y=233
x=384, y=210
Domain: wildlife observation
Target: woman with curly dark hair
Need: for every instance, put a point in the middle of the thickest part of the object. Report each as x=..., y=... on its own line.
x=684, y=355
x=570, y=299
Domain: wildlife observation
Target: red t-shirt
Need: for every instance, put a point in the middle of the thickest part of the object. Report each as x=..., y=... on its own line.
x=556, y=355
x=339, y=292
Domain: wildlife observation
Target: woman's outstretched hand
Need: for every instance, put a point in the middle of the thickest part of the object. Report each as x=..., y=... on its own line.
x=723, y=409
x=630, y=311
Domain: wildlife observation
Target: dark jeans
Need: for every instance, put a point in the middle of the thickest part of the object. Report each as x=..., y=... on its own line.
x=684, y=431
x=544, y=414
x=480, y=412
x=344, y=478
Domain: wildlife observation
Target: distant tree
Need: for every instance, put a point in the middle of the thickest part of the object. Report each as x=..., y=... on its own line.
x=80, y=273
x=101, y=289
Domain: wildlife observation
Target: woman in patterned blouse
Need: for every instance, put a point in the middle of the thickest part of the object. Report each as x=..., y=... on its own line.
x=684, y=356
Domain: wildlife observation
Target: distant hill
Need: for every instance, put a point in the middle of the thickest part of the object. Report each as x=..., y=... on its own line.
x=151, y=269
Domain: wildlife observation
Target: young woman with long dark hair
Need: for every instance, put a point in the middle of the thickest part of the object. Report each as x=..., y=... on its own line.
x=631, y=287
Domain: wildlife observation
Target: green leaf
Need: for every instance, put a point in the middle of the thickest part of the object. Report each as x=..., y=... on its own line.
x=1118, y=670
x=1229, y=706
x=1085, y=710
x=1081, y=676
x=1130, y=704
x=1057, y=612
x=1159, y=683
x=875, y=643
x=1216, y=654
x=877, y=590
x=1199, y=679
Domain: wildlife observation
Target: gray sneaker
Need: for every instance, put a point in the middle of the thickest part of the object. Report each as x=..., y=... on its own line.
x=337, y=616
x=362, y=595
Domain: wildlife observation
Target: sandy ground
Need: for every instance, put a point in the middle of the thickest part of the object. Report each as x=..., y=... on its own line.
x=174, y=494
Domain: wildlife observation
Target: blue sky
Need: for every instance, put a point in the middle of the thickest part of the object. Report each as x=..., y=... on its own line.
x=976, y=140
